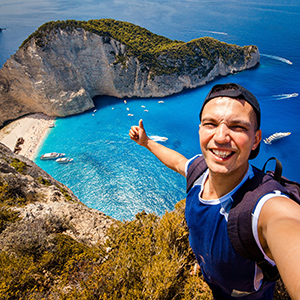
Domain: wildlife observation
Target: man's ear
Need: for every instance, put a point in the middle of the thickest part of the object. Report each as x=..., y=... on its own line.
x=257, y=139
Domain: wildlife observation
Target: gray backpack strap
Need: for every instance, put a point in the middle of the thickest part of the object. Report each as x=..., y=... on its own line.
x=197, y=167
x=239, y=225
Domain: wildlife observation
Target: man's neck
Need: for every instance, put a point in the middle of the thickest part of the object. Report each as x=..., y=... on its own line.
x=218, y=185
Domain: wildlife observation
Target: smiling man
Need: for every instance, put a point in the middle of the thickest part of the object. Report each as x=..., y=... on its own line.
x=230, y=136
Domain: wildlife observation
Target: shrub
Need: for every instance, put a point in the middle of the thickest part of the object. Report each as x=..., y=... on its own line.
x=7, y=216
x=20, y=166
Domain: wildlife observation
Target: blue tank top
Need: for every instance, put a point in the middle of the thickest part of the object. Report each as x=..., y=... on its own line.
x=222, y=267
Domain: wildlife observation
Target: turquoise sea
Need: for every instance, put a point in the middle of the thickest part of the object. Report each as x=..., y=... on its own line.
x=113, y=174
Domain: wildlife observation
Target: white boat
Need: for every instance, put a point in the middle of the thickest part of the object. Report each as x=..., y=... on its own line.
x=158, y=138
x=64, y=160
x=276, y=136
x=52, y=155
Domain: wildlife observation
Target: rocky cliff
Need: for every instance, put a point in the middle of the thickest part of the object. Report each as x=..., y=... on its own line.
x=28, y=194
x=63, y=65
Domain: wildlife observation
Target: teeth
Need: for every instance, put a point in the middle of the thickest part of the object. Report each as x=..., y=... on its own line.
x=222, y=154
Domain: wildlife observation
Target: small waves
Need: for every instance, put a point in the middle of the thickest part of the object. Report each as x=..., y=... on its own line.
x=278, y=58
x=285, y=96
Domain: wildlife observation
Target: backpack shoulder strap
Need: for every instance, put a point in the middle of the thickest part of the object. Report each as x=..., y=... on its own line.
x=292, y=187
x=239, y=225
x=278, y=169
x=197, y=167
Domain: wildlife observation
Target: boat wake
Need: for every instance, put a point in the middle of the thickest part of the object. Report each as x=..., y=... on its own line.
x=215, y=32
x=278, y=58
x=158, y=138
x=285, y=96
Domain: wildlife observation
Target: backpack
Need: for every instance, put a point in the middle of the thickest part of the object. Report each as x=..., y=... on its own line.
x=239, y=226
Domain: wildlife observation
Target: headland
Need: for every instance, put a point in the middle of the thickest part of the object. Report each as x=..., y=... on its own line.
x=60, y=68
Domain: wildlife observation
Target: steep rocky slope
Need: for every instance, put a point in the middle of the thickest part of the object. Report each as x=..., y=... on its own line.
x=63, y=65
x=28, y=193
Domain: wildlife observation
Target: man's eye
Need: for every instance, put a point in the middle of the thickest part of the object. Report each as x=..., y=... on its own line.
x=238, y=128
x=209, y=123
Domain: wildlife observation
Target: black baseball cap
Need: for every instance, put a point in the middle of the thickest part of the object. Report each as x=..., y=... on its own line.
x=233, y=90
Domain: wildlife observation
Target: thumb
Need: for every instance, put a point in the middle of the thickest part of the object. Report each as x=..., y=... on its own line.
x=141, y=125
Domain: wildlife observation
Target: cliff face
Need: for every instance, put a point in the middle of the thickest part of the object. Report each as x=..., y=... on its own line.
x=61, y=77
x=30, y=194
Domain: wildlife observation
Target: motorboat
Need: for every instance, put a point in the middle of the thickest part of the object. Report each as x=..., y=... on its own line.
x=64, y=160
x=276, y=136
x=52, y=155
x=158, y=138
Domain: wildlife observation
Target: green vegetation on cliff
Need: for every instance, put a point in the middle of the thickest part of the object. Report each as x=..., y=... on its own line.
x=159, y=54
x=146, y=258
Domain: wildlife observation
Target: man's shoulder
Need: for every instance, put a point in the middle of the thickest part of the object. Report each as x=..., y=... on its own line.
x=191, y=160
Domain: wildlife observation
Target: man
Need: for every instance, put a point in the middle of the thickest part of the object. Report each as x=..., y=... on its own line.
x=230, y=136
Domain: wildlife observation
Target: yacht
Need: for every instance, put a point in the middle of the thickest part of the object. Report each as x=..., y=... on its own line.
x=276, y=136
x=64, y=160
x=52, y=155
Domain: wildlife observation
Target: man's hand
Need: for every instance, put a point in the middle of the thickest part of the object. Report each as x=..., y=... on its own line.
x=138, y=134
x=169, y=157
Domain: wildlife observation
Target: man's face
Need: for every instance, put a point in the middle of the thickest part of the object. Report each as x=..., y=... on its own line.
x=228, y=134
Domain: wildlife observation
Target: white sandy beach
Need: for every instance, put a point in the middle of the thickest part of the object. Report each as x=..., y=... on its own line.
x=32, y=128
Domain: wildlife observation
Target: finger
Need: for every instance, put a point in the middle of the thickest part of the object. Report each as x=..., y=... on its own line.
x=141, y=125
x=133, y=132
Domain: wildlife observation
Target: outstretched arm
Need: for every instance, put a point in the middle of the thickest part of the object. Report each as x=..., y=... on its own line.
x=279, y=233
x=167, y=156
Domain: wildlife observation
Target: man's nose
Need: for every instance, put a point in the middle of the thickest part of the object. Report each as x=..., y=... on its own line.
x=222, y=134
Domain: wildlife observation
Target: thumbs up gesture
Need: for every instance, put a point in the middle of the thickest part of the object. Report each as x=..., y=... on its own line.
x=138, y=134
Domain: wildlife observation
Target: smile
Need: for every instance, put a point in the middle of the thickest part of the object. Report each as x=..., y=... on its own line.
x=222, y=153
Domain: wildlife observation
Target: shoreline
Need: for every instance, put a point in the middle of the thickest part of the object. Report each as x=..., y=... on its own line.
x=33, y=129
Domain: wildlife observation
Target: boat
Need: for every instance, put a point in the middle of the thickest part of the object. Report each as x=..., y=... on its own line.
x=64, y=160
x=52, y=155
x=276, y=136
x=158, y=138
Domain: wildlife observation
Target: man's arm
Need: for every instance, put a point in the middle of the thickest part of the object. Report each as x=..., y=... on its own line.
x=279, y=234
x=169, y=157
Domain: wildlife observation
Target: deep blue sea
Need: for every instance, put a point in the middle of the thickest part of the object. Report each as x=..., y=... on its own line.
x=113, y=174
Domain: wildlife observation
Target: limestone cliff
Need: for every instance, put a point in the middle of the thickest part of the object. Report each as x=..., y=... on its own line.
x=63, y=65
x=28, y=194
